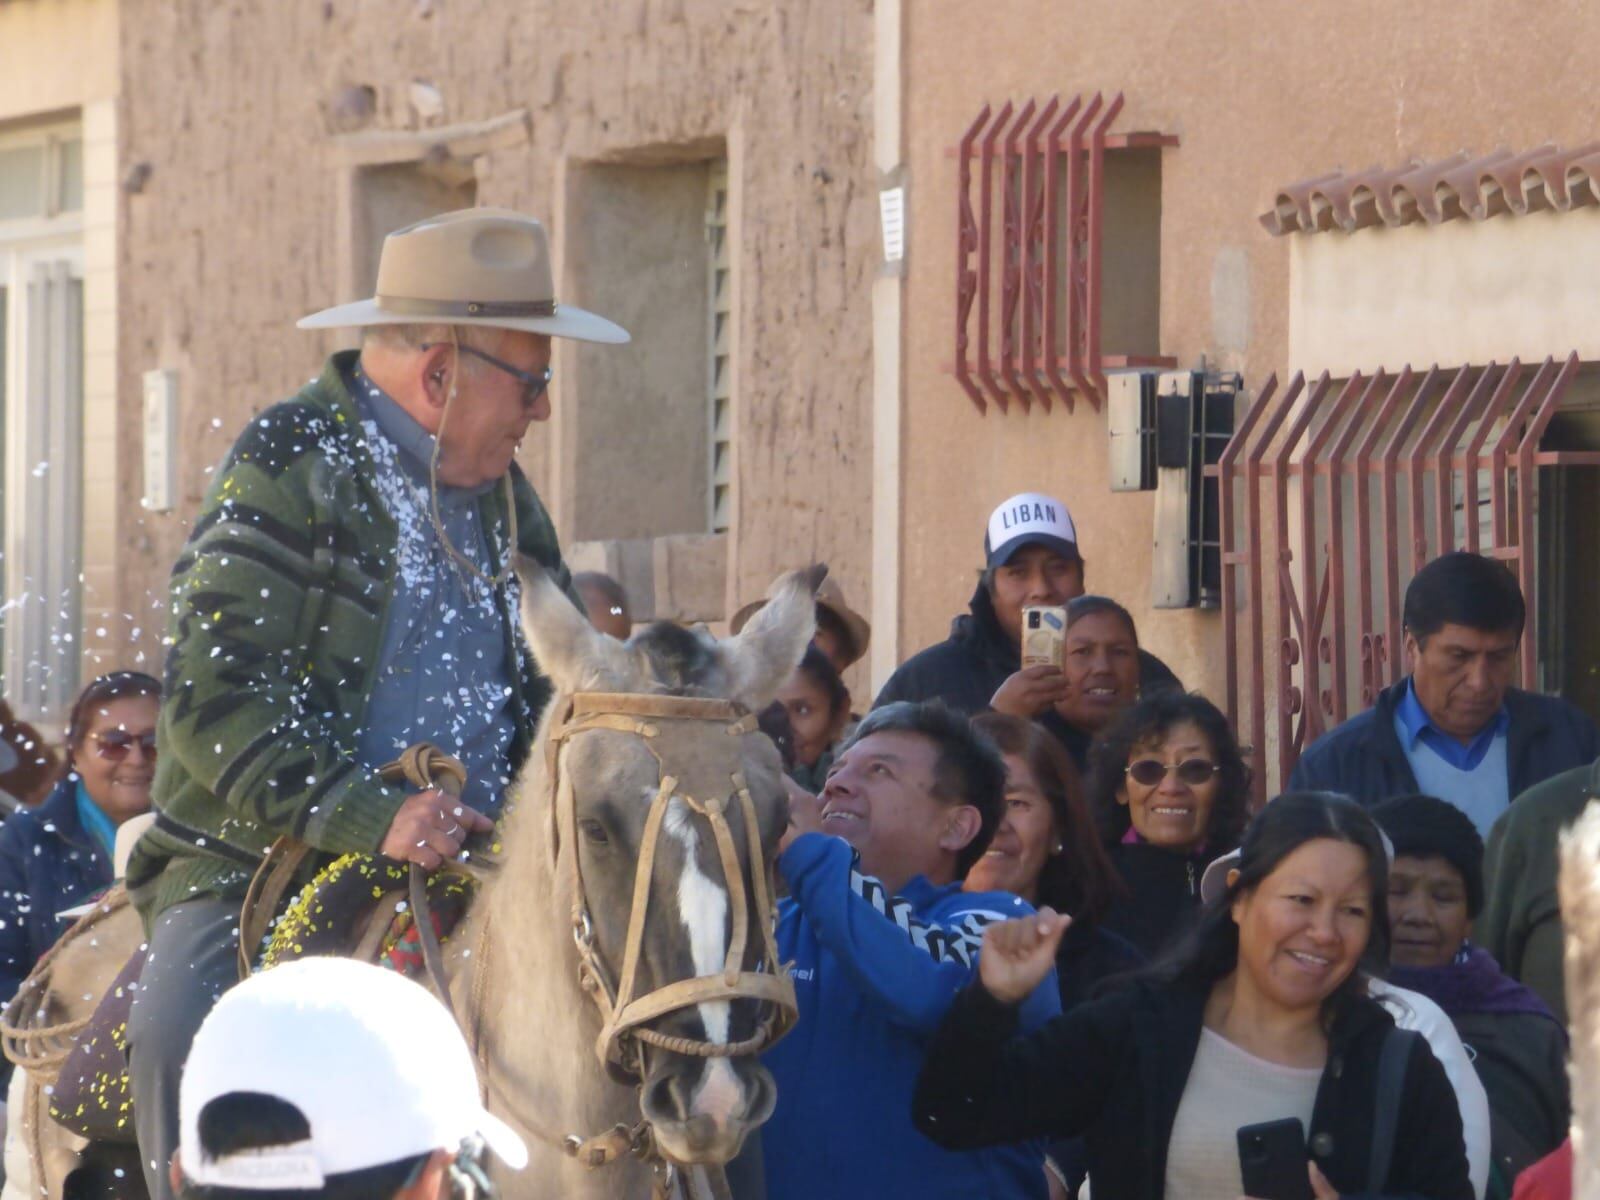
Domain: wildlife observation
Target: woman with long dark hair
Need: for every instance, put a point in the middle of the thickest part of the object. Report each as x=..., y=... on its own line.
x=1261, y=1015
x=59, y=854
x=1169, y=790
x=1048, y=852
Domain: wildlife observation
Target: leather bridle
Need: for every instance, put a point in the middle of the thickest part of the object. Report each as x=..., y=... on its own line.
x=698, y=745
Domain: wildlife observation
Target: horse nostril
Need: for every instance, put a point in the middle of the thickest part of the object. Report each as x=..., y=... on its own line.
x=666, y=1098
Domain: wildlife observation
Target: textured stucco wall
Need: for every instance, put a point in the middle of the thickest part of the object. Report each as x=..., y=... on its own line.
x=1261, y=93
x=234, y=234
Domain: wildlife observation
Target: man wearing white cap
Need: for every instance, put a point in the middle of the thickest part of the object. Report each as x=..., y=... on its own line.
x=348, y=591
x=310, y=1081
x=1031, y=557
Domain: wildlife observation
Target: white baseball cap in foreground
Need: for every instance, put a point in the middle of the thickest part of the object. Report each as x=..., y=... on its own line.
x=372, y=1061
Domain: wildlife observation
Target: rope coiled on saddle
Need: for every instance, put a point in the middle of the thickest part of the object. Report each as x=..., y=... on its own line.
x=43, y=1048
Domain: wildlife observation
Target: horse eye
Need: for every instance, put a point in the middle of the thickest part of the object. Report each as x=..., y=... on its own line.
x=594, y=831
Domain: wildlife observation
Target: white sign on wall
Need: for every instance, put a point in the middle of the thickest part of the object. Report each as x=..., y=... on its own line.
x=160, y=438
x=892, y=213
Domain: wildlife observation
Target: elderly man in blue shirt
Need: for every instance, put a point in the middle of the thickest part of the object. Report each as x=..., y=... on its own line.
x=1455, y=728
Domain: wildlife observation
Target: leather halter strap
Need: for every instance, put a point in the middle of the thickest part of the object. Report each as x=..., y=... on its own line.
x=681, y=734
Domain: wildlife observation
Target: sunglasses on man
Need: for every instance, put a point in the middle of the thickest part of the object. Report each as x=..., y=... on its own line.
x=1149, y=772
x=533, y=383
x=114, y=745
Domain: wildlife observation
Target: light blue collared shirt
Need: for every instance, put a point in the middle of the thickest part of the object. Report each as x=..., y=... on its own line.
x=1473, y=776
x=1417, y=725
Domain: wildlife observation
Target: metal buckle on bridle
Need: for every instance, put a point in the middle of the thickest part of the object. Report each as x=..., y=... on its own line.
x=626, y=1019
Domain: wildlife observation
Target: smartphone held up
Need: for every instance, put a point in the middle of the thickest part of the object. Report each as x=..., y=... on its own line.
x=1044, y=631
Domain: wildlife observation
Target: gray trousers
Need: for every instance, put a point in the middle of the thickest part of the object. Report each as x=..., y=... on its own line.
x=193, y=959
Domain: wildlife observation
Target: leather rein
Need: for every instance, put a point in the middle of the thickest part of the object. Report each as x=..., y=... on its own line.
x=697, y=743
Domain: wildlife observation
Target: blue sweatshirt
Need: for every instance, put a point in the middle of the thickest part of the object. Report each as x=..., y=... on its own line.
x=874, y=974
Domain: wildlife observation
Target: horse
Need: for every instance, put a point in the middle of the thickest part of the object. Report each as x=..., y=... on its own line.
x=594, y=800
x=616, y=975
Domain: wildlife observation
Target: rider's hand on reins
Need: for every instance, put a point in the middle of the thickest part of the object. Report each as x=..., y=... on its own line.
x=429, y=829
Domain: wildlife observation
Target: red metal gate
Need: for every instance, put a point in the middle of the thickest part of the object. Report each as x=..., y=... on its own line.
x=1366, y=481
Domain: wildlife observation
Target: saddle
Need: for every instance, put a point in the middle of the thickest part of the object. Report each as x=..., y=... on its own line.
x=359, y=906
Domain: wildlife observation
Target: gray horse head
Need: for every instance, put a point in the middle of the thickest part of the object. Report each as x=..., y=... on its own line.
x=700, y=1107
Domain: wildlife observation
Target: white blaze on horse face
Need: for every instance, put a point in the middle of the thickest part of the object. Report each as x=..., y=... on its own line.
x=703, y=908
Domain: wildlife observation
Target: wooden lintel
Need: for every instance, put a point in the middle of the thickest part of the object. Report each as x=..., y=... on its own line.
x=374, y=147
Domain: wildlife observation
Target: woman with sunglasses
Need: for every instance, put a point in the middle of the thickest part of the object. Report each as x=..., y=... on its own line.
x=57, y=855
x=1262, y=1015
x=1168, y=787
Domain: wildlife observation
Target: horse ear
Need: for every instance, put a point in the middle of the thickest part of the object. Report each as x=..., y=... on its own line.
x=768, y=649
x=573, y=653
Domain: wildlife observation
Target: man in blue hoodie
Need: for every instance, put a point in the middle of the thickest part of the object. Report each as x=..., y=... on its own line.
x=882, y=939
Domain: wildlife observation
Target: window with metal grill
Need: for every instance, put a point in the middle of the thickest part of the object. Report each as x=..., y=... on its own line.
x=1058, y=252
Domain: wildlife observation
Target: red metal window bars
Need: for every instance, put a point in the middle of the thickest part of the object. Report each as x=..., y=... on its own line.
x=1032, y=270
x=1367, y=481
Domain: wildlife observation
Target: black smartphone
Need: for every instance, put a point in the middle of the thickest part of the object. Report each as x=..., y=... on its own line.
x=1272, y=1161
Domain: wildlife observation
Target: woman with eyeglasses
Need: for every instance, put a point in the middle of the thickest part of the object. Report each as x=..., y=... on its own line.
x=1169, y=788
x=58, y=855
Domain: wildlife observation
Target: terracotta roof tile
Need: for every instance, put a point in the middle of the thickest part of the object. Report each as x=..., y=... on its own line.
x=1461, y=186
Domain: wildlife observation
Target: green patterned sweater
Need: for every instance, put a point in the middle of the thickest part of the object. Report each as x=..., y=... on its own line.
x=278, y=604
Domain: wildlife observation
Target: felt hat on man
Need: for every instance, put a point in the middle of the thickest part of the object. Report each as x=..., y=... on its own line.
x=1029, y=519
x=476, y=266
x=830, y=596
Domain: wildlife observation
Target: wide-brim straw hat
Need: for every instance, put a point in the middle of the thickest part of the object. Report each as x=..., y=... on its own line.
x=829, y=596
x=478, y=266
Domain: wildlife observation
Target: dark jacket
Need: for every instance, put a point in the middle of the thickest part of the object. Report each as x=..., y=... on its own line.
x=1363, y=758
x=967, y=668
x=1089, y=955
x=1115, y=1070
x=1521, y=1059
x=48, y=862
x=1076, y=742
x=1162, y=897
x=1521, y=920
x=267, y=697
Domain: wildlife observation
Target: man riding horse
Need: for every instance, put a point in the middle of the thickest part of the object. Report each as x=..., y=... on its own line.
x=347, y=591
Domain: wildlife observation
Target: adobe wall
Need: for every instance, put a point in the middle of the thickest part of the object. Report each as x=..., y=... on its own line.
x=1262, y=94
x=234, y=233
